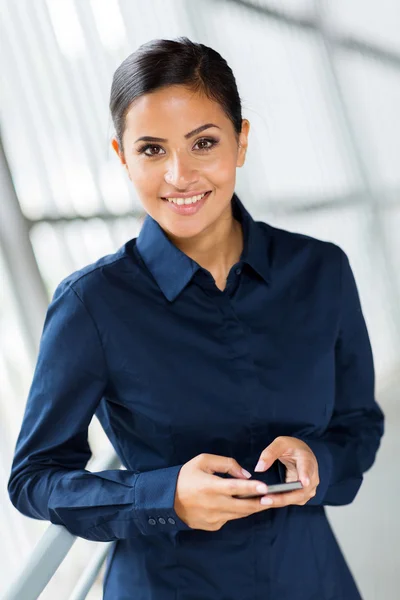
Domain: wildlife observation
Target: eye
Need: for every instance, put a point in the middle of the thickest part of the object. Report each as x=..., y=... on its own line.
x=143, y=149
x=211, y=141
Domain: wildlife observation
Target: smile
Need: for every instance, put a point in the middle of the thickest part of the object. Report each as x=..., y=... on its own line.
x=180, y=201
x=187, y=206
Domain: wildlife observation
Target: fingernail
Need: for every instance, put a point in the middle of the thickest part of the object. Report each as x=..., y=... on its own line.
x=266, y=500
x=246, y=473
x=260, y=466
x=262, y=488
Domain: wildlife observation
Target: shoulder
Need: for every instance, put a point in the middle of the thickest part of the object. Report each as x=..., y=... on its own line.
x=94, y=277
x=287, y=246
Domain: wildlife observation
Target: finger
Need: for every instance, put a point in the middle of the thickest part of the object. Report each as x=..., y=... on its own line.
x=214, y=463
x=287, y=498
x=237, y=487
x=271, y=454
x=237, y=508
x=305, y=471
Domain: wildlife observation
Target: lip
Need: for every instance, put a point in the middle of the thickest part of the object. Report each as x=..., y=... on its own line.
x=185, y=195
x=188, y=209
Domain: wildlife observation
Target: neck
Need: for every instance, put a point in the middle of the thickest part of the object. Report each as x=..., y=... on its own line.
x=216, y=250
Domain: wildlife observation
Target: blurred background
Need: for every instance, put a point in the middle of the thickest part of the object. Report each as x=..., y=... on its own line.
x=320, y=85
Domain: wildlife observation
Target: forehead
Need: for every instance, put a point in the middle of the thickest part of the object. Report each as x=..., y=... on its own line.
x=170, y=109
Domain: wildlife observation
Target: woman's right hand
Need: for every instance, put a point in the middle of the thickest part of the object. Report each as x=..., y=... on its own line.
x=205, y=501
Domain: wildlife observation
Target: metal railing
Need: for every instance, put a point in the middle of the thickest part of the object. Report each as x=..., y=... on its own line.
x=52, y=549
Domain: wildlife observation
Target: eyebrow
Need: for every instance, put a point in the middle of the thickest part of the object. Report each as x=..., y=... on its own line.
x=147, y=138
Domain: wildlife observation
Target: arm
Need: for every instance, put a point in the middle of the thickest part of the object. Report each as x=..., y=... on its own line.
x=349, y=445
x=48, y=479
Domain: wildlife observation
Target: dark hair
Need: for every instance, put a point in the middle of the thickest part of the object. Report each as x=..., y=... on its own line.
x=160, y=63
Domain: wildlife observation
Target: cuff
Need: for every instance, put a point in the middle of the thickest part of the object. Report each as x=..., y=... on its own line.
x=154, y=501
x=324, y=460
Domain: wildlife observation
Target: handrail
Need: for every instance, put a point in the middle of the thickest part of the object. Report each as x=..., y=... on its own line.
x=90, y=573
x=52, y=548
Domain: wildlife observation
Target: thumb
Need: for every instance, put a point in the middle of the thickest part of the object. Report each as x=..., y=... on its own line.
x=269, y=455
x=214, y=463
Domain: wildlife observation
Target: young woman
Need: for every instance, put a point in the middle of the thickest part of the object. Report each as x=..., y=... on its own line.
x=209, y=344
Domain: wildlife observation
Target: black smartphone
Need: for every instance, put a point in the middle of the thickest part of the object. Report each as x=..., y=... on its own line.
x=278, y=488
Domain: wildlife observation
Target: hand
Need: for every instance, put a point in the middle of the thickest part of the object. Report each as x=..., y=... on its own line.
x=301, y=464
x=205, y=501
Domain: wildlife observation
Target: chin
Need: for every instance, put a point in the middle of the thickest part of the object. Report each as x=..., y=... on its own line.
x=183, y=230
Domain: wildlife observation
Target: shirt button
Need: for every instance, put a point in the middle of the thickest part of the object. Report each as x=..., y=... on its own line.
x=238, y=271
x=151, y=521
x=161, y=520
x=171, y=520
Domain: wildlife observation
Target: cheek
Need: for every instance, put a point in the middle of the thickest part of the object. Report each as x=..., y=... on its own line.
x=220, y=170
x=145, y=181
x=139, y=173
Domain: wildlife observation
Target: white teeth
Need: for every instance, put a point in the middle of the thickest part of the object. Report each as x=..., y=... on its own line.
x=192, y=200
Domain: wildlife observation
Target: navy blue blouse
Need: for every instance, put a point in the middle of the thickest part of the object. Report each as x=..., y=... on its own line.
x=174, y=367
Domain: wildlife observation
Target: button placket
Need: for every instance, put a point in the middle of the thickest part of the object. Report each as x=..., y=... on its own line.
x=235, y=334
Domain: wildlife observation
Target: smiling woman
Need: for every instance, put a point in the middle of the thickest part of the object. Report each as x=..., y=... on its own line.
x=209, y=346
x=181, y=99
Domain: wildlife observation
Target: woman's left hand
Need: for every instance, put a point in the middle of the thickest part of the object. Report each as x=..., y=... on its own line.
x=301, y=464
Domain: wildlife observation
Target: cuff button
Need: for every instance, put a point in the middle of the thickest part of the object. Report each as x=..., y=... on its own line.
x=161, y=520
x=171, y=520
x=151, y=521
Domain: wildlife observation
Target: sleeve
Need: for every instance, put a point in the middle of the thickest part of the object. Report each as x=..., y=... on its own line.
x=348, y=447
x=48, y=478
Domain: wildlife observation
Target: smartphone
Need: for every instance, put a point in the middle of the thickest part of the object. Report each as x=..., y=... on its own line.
x=278, y=488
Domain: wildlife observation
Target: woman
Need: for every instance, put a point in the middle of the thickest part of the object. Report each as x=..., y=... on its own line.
x=209, y=344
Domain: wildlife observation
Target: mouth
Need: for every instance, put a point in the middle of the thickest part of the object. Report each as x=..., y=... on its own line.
x=187, y=209
x=182, y=201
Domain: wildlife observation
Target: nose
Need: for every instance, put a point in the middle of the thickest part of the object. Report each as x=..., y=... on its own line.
x=180, y=173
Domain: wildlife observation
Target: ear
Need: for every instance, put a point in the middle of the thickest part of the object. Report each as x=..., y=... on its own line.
x=120, y=154
x=243, y=143
x=115, y=145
